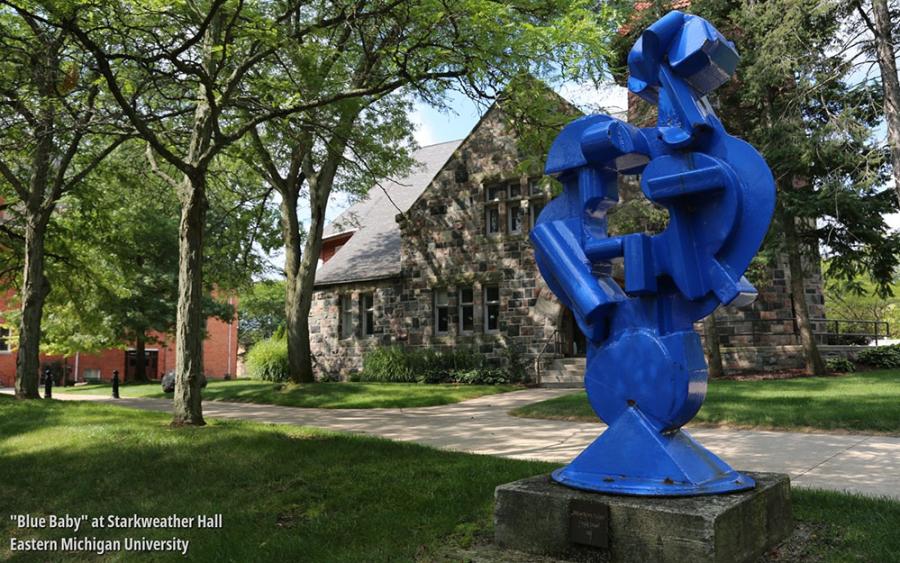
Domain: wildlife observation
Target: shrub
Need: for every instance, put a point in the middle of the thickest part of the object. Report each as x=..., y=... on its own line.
x=268, y=360
x=840, y=364
x=881, y=356
x=395, y=364
x=389, y=364
x=482, y=376
x=515, y=364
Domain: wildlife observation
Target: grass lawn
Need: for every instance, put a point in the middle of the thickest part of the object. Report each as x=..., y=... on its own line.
x=297, y=494
x=320, y=395
x=862, y=402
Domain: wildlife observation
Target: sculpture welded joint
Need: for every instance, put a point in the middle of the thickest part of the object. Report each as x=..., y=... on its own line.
x=646, y=374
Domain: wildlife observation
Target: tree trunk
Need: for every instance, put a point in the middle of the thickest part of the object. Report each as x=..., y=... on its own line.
x=884, y=48
x=301, y=268
x=140, y=360
x=297, y=332
x=34, y=291
x=812, y=358
x=713, y=349
x=35, y=285
x=189, y=323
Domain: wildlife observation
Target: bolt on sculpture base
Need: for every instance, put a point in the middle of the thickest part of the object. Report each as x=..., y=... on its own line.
x=646, y=374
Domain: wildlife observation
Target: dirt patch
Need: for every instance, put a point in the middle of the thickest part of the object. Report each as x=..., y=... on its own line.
x=809, y=543
x=785, y=374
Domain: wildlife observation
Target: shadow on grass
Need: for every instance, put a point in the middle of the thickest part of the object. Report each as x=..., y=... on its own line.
x=319, y=395
x=285, y=493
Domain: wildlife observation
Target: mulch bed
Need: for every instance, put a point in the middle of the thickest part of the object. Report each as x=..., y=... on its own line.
x=785, y=374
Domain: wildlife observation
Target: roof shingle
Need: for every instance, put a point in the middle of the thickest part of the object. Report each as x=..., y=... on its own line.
x=373, y=252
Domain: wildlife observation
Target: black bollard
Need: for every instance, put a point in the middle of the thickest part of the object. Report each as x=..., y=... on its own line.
x=115, y=384
x=48, y=384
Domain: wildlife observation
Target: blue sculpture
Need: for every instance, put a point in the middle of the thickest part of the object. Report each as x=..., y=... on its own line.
x=646, y=374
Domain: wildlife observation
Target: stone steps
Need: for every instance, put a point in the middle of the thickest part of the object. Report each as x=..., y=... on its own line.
x=564, y=373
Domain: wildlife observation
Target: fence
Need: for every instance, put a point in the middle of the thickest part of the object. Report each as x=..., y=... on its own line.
x=826, y=331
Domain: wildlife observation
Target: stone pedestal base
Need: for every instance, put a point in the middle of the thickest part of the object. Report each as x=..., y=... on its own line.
x=537, y=515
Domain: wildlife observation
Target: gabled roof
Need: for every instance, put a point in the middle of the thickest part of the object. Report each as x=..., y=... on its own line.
x=373, y=252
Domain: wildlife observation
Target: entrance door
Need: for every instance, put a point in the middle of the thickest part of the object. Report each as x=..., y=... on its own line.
x=151, y=358
x=571, y=338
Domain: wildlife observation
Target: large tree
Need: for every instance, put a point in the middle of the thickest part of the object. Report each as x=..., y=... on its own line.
x=387, y=53
x=51, y=120
x=185, y=76
x=116, y=249
x=794, y=99
x=881, y=24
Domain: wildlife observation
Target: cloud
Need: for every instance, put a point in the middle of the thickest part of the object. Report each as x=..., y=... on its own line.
x=424, y=133
x=608, y=98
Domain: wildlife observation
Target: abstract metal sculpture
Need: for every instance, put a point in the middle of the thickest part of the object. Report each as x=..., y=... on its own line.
x=646, y=374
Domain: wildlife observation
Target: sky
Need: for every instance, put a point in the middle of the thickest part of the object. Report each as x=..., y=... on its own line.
x=433, y=126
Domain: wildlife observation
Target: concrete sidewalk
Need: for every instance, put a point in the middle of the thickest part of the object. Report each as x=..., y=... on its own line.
x=845, y=462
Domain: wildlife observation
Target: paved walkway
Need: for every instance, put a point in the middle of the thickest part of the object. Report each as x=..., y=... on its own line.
x=851, y=462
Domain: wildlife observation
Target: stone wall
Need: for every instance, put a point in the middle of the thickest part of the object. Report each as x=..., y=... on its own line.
x=335, y=355
x=769, y=320
x=446, y=246
x=755, y=359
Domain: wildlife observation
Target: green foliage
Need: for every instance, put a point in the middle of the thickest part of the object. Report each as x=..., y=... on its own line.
x=514, y=364
x=635, y=213
x=114, y=264
x=241, y=225
x=262, y=312
x=268, y=360
x=880, y=356
x=319, y=395
x=425, y=365
x=859, y=299
x=840, y=364
x=296, y=496
x=798, y=100
x=483, y=376
x=390, y=364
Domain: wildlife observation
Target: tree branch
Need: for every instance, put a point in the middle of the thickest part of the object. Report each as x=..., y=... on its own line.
x=83, y=173
x=131, y=113
x=10, y=177
x=158, y=171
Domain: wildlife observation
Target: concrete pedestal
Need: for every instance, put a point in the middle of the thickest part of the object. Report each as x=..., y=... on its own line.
x=539, y=516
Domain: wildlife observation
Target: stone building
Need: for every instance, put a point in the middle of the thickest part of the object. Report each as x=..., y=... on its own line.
x=442, y=259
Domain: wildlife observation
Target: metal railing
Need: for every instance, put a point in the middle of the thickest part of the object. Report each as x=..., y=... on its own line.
x=538, y=363
x=825, y=331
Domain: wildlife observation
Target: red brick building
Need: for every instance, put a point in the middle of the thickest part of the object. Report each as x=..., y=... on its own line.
x=219, y=355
